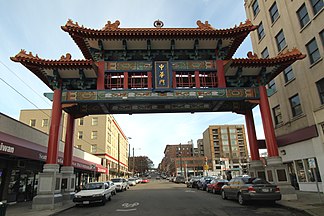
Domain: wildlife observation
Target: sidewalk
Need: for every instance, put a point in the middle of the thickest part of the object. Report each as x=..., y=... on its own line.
x=308, y=202
x=25, y=209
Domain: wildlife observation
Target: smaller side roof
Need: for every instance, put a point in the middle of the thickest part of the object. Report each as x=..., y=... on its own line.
x=65, y=67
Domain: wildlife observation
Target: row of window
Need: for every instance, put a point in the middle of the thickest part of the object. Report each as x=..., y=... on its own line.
x=295, y=104
x=94, y=121
x=32, y=122
x=317, y=5
x=94, y=135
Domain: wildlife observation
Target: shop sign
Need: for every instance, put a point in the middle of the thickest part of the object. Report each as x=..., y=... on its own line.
x=6, y=148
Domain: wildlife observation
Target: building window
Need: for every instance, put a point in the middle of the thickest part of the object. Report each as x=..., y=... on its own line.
x=261, y=33
x=93, y=148
x=295, y=105
x=274, y=14
x=255, y=7
x=79, y=146
x=94, y=121
x=94, y=134
x=265, y=53
x=44, y=122
x=81, y=121
x=303, y=15
x=313, y=51
x=320, y=88
x=288, y=74
x=277, y=115
x=317, y=5
x=80, y=134
x=322, y=36
x=280, y=39
x=32, y=122
x=272, y=85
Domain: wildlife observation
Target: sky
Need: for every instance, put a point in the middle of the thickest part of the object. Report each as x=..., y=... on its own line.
x=35, y=26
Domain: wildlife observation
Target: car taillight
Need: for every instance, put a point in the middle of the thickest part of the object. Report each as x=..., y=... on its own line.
x=251, y=189
x=277, y=189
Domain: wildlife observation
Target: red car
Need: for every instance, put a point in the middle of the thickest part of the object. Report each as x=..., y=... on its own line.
x=145, y=181
x=216, y=185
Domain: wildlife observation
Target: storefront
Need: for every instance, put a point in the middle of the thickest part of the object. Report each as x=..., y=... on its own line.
x=21, y=160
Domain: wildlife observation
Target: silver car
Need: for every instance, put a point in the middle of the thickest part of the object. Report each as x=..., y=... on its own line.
x=245, y=189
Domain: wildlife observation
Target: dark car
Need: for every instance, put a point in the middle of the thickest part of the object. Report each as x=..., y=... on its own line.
x=202, y=183
x=215, y=186
x=192, y=183
x=180, y=179
x=245, y=189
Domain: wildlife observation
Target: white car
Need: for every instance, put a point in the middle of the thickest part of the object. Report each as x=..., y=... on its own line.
x=132, y=181
x=113, y=187
x=121, y=184
x=94, y=192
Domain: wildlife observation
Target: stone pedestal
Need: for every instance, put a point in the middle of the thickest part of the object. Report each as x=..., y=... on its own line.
x=68, y=183
x=277, y=173
x=49, y=188
x=256, y=167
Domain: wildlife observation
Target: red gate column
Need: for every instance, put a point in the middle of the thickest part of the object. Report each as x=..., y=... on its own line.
x=254, y=150
x=269, y=133
x=101, y=76
x=53, y=138
x=220, y=74
x=68, y=148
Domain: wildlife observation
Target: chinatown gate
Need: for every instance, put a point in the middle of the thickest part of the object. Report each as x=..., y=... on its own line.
x=156, y=70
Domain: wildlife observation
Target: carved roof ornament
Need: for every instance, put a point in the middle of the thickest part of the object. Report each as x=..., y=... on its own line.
x=250, y=55
x=71, y=23
x=205, y=25
x=158, y=24
x=111, y=26
x=67, y=57
x=24, y=54
x=247, y=23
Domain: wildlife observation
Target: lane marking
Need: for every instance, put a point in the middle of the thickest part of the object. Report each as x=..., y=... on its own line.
x=190, y=191
x=125, y=210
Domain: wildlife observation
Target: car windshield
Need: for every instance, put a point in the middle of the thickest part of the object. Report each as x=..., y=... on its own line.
x=116, y=180
x=93, y=186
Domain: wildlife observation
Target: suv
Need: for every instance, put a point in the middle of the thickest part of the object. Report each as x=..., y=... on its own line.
x=121, y=184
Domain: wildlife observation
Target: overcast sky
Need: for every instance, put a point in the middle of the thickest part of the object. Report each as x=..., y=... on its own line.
x=35, y=26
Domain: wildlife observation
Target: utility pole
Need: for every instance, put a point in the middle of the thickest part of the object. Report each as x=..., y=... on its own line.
x=133, y=162
x=180, y=159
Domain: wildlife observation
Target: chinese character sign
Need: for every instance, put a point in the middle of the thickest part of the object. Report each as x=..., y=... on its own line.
x=162, y=75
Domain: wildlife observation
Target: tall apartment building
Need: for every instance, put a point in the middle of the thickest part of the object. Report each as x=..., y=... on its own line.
x=99, y=135
x=226, y=147
x=297, y=98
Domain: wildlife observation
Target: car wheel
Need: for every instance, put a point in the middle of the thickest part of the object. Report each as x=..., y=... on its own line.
x=240, y=199
x=224, y=195
x=103, y=202
x=109, y=198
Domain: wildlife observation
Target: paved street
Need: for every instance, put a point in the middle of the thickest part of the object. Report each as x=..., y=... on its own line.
x=160, y=198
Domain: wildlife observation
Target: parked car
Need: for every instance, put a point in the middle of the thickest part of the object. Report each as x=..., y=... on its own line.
x=180, y=179
x=121, y=184
x=94, y=192
x=145, y=181
x=192, y=183
x=113, y=187
x=245, y=189
x=202, y=183
x=215, y=186
x=131, y=181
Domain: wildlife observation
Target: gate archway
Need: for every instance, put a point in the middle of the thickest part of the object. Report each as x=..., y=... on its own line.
x=156, y=70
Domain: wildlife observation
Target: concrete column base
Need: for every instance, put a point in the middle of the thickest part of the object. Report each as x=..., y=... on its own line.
x=49, y=188
x=68, y=183
x=277, y=173
x=256, y=166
